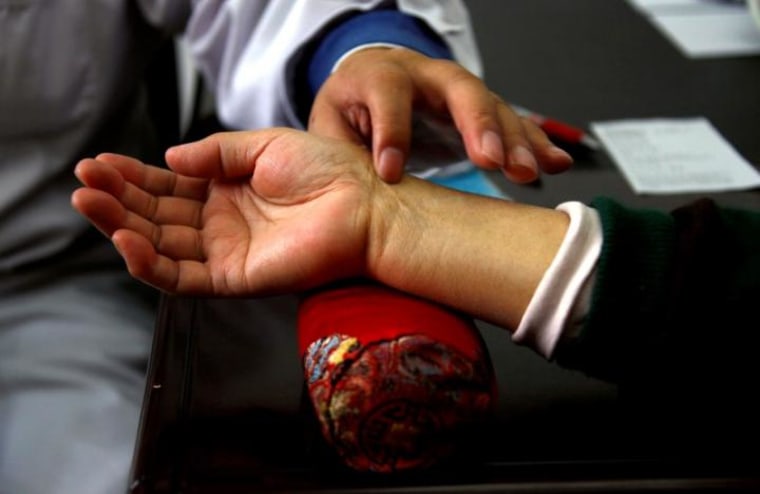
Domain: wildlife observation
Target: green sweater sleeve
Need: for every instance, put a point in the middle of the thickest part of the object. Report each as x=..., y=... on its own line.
x=675, y=299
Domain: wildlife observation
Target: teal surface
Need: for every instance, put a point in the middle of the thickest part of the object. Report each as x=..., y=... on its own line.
x=473, y=180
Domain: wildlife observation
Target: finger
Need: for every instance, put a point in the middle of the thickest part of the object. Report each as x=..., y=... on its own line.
x=378, y=121
x=521, y=164
x=389, y=99
x=493, y=134
x=146, y=264
x=329, y=119
x=491, y=131
x=109, y=215
x=160, y=210
x=155, y=180
x=224, y=155
x=96, y=175
x=475, y=115
x=376, y=113
x=551, y=159
x=448, y=89
x=100, y=208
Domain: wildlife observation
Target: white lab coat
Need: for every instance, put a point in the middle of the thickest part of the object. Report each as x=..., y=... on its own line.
x=252, y=75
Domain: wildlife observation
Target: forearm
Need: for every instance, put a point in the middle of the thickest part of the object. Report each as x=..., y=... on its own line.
x=480, y=255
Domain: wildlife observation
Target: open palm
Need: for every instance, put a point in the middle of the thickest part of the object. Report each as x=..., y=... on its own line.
x=245, y=213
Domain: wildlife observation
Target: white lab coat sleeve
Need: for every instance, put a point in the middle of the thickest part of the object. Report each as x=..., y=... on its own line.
x=248, y=50
x=451, y=20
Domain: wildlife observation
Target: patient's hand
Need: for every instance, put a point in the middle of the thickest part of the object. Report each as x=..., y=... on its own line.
x=245, y=213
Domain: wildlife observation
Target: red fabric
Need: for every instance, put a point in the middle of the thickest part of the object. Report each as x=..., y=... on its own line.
x=396, y=405
x=396, y=381
x=372, y=312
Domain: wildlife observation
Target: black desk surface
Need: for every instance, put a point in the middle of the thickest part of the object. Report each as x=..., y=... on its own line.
x=204, y=428
x=593, y=60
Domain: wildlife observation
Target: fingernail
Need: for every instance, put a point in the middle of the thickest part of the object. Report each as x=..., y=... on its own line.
x=560, y=153
x=522, y=165
x=390, y=165
x=493, y=147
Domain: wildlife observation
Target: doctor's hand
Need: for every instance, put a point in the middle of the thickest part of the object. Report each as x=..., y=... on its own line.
x=240, y=214
x=372, y=95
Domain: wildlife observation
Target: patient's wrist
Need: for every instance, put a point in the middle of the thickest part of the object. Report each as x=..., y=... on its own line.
x=395, y=226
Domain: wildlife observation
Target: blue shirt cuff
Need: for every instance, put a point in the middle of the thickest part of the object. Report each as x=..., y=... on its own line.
x=378, y=26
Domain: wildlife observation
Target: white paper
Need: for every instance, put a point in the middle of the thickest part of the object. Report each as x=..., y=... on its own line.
x=652, y=7
x=704, y=28
x=664, y=156
x=712, y=35
x=685, y=7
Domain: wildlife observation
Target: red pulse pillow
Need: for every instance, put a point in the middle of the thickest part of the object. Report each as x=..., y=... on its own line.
x=396, y=382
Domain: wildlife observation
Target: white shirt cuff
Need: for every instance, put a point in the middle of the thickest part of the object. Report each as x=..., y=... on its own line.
x=562, y=297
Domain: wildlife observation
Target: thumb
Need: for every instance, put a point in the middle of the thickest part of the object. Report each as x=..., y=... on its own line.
x=224, y=155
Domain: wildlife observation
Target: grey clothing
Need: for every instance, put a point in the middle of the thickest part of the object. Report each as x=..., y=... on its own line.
x=75, y=330
x=72, y=361
x=70, y=88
